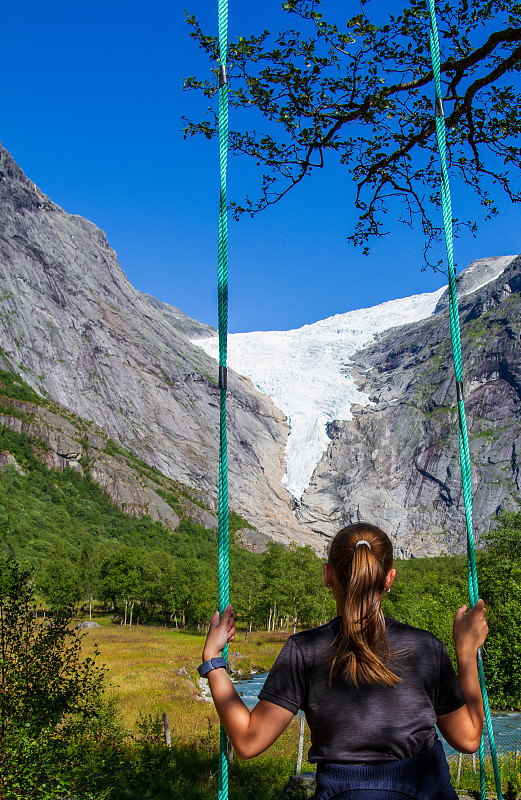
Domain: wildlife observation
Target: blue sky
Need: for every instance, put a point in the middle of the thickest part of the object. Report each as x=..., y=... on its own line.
x=92, y=98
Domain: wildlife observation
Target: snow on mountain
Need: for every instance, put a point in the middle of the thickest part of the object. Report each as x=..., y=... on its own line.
x=306, y=372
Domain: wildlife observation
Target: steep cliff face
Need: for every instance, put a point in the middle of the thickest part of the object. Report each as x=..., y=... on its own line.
x=79, y=334
x=397, y=461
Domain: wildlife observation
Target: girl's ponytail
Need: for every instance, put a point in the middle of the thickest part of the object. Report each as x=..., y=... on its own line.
x=361, y=556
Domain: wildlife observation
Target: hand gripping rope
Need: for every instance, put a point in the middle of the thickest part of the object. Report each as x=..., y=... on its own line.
x=222, y=292
x=456, y=353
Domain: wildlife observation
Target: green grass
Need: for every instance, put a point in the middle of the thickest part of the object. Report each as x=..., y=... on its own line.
x=142, y=663
x=12, y=386
x=464, y=771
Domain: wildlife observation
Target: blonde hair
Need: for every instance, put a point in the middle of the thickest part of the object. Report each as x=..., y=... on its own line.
x=361, y=556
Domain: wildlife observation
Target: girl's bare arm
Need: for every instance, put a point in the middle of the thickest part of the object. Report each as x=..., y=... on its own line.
x=463, y=728
x=249, y=732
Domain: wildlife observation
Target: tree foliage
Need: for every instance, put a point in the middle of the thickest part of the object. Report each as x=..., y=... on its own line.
x=426, y=594
x=43, y=676
x=45, y=685
x=500, y=568
x=60, y=578
x=363, y=91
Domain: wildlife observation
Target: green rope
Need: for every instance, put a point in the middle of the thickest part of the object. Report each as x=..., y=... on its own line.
x=456, y=352
x=222, y=291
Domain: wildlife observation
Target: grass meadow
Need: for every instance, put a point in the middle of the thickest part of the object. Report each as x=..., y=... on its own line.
x=142, y=663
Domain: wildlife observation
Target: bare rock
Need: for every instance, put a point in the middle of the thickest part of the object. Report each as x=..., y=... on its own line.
x=87, y=340
x=183, y=672
x=397, y=462
x=252, y=540
x=8, y=460
x=302, y=785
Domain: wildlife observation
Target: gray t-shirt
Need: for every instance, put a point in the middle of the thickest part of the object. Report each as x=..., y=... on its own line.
x=368, y=723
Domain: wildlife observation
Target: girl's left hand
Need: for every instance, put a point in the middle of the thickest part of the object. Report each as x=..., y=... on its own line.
x=470, y=628
x=222, y=631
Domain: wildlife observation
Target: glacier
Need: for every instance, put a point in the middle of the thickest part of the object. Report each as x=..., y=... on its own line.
x=305, y=372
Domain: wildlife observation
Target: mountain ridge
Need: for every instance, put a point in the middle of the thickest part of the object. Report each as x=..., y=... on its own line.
x=80, y=334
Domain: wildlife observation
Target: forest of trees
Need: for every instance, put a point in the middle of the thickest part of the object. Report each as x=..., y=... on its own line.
x=138, y=586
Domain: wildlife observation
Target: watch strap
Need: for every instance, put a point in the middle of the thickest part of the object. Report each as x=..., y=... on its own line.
x=213, y=663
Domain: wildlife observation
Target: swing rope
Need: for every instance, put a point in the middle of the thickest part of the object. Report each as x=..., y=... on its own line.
x=456, y=353
x=222, y=293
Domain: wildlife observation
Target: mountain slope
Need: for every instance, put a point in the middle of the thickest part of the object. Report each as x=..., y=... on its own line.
x=397, y=461
x=79, y=334
x=377, y=409
x=61, y=439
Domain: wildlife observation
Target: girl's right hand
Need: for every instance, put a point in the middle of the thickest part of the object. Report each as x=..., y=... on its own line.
x=222, y=631
x=470, y=628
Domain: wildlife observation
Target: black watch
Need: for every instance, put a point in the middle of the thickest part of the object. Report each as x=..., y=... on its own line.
x=213, y=663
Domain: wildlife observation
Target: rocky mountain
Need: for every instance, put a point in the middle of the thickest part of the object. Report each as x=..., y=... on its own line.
x=82, y=337
x=397, y=460
x=125, y=390
x=65, y=440
x=373, y=433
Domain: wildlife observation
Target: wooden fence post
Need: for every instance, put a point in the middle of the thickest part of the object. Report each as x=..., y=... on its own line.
x=458, y=776
x=167, y=730
x=300, y=746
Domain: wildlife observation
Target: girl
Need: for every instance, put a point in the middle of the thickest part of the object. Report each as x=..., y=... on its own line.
x=372, y=689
